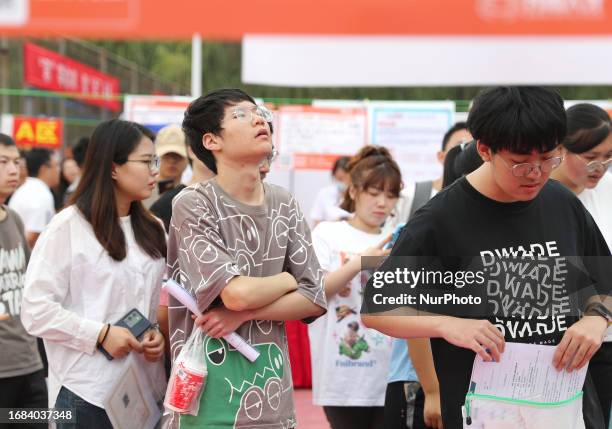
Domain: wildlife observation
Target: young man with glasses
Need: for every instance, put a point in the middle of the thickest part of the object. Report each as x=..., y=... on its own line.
x=243, y=248
x=511, y=227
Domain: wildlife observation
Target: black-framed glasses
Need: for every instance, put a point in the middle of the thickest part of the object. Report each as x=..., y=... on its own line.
x=526, y=168
x=248, y=114
x=153, y=163
x=593, y=166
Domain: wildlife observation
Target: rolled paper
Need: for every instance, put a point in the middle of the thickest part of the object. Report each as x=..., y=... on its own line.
x=185, y=298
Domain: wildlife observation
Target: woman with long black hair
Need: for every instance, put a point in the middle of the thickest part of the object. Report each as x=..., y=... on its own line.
x=100, y=258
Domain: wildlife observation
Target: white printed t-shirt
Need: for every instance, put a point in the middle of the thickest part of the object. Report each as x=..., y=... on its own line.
x=33, y=201
x=349, y=361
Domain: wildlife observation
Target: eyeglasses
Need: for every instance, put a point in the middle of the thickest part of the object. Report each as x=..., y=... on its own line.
x=268, y=160
x=593, y=166
x=152, y=163
x=525, y=168
x=272, y=156
x=248, y=115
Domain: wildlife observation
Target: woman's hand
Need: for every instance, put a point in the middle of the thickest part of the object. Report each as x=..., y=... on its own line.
x=119, y=342
x=379, y=249
x=153, y=345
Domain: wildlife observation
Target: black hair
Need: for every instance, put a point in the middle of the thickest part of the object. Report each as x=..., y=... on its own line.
x=452, y=130
x=6, y=140
x=35, y=159
x=519, y=119
x=340, y=164
x=588, y=126
x=111, y=143
x=459, y=161
x=79, y=150
x=204, y=115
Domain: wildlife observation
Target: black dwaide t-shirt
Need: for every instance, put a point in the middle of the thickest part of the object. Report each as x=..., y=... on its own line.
x=528, y=267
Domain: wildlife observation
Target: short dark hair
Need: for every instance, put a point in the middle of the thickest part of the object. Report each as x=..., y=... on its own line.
x=204, y=115
x=6, y=140
x=35, y=159
x=79, y=150
x=588, y=126
x=340, y=164
x=452, y=130
x=519, y=119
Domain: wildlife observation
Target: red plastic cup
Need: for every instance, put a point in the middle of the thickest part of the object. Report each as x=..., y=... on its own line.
x=186, y=386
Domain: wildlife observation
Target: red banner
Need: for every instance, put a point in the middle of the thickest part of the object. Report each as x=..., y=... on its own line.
x=157, y=19
x=49, y=70
x=30, y=132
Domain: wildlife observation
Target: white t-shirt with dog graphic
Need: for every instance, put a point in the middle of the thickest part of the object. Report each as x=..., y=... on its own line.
x=349, y=361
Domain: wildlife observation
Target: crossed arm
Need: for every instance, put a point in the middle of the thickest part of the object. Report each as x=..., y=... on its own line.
x=291, y=305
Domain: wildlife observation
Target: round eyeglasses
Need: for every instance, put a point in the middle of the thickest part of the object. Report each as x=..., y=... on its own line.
x=595, y=165
x=248, y=114
x=526, y=168
x=268, y=160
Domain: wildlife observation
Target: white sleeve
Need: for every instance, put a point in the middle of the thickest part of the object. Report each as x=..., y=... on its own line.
x=34, y=213
x=47, y=284
x=317, y=212
x=321, y=246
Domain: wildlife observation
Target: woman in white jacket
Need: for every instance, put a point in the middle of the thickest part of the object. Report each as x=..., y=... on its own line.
x=99, y=258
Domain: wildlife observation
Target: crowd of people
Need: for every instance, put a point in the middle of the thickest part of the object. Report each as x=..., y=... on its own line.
x=87, y=239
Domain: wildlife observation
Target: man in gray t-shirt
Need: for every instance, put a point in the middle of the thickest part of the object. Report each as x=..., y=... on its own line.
x=243, y=248
x=22, y=380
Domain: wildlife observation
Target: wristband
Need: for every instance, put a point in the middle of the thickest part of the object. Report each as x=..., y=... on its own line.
x=598, y=309
x=105, y=335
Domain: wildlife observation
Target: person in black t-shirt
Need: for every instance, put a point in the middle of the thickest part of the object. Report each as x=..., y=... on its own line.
x=504, y=214
x=162, y=208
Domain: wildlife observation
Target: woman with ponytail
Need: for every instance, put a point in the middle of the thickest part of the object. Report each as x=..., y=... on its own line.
x=100, y=258
x=587, y=157
x=350, y=361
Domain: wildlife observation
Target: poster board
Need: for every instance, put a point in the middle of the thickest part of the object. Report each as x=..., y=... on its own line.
x=155, y=111
x=413, y=132
x=311, y=138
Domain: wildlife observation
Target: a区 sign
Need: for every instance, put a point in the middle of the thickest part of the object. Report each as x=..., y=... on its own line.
x=29, y=132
